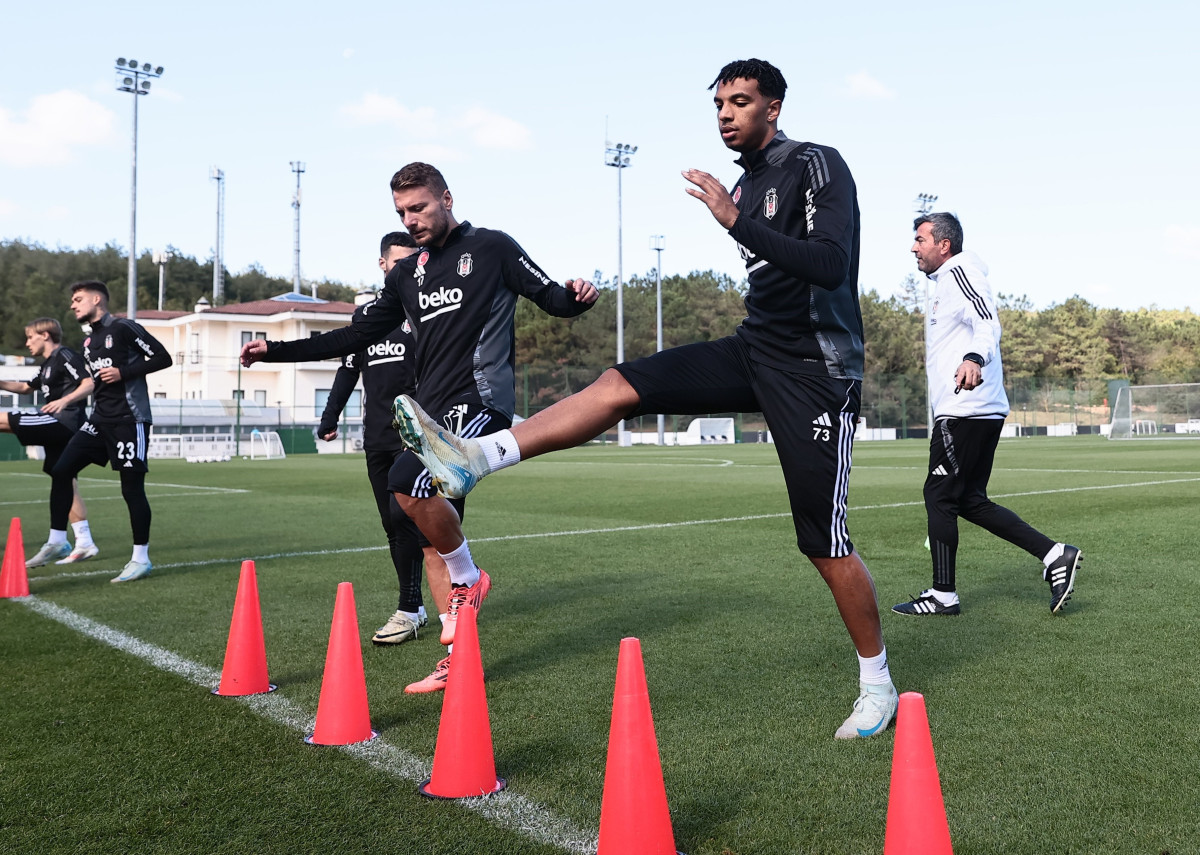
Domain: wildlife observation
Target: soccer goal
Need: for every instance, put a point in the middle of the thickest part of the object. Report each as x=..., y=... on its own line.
x=266, y=445
x=1156, y=412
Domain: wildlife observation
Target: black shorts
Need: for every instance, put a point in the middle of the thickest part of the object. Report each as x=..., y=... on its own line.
x=379, y=464
x=44, y=430
x=811, y=418
x=467, y=419
x=122, y=445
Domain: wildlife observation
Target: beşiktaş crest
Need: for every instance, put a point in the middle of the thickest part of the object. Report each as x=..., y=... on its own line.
x=465, y=264
x=737, y=194
x=771, y=203
x=108, y=342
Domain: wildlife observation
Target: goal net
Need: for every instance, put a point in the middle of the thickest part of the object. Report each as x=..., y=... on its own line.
x=266, y=445
x=1165, y=411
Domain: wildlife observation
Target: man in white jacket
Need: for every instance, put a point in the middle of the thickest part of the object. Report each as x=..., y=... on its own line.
x=966, y=385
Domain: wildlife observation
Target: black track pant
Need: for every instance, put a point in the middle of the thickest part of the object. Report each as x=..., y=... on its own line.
x=961, y=452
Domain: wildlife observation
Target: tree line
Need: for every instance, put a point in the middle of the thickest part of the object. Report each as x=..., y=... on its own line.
x=1065, y=343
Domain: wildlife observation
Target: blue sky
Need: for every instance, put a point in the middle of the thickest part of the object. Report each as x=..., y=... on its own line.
x=1063, y=134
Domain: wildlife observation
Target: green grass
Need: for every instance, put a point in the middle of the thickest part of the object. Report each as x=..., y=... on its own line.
x=1070, y=734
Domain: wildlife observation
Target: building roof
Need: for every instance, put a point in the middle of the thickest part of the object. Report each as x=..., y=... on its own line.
x=275, y=307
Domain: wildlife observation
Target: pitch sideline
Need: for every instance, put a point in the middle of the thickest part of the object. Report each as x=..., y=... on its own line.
x=507, y=809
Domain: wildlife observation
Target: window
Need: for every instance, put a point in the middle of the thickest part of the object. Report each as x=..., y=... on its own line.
x=195, y=354
x=354, y=405
x=261, y=335
x=238, y=394
x=260, y=397
x=160, y=394
x=247, y=337
x=320, y=399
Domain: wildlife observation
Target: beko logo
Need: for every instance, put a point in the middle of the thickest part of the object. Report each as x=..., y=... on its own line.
x=441, y=297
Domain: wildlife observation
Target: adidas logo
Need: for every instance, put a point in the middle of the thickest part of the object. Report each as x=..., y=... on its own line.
x=823, y=420
x=940, y=470
x=501, y=450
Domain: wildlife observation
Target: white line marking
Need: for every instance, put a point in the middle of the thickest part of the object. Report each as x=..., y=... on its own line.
x=506, y=809
x=609, y=530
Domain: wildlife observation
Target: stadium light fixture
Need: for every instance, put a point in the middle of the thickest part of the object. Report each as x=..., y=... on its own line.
x=136, y=81
x=618, y=156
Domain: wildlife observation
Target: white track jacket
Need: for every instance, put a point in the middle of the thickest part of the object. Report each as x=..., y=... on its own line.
x=962, y=319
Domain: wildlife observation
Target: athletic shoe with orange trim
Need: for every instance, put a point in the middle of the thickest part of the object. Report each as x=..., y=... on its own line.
x=435, y=682
x=459, y=594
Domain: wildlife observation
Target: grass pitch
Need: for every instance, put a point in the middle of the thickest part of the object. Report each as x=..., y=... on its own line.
x=1073, y=733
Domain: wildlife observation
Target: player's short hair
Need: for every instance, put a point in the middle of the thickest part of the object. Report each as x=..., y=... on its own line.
x=420, y=175
x=92, y=285
x=396, y=239
x=770, y=79
x=46, y=325
x=943, y=226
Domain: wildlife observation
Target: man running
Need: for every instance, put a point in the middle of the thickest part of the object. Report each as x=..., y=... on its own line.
x=119, y=354
x=797, y=358
x=65, y=386
x=459, y=293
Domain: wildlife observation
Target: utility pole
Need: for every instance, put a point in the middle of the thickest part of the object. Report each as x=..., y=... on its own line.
x=298, y=168
x=658, y=243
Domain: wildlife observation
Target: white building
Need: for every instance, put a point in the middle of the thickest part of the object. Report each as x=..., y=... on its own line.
x=205, y=344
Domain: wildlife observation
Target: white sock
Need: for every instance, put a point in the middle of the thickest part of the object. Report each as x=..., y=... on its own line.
x=449, y=649
x=442, y=618
x=415, y=617
x=500, y=449
x=422, y=614
x=57, y=537
x=873, y=671
x=946, y=598
x=141, y=553
x=1054, y=554
x=461, y=566
x=83, y=534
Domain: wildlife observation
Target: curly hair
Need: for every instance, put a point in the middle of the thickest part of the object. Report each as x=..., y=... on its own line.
x=770, y=79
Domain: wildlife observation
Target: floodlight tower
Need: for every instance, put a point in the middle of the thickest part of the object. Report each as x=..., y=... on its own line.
x=218, y=175
x=658, y=243
x=135, y=80
x=298, y=168
x=924, y=205
x=618, y=156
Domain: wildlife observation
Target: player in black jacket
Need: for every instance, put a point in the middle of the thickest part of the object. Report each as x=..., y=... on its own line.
x=64, y=384
x=459, y=293
x=119, y=354
x=386, y=369
x=797, y=358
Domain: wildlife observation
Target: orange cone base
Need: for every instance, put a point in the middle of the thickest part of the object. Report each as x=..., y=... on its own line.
x=217, y=691
x=425, y=791
x=309, y=739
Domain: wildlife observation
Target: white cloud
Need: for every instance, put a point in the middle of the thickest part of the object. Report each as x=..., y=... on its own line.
x=347, y=53
x=491, y=130
x=52, y=128
x=863, y=85
x=7, y=208
x=483, y=127
x=1184, y=241
x=376, y=109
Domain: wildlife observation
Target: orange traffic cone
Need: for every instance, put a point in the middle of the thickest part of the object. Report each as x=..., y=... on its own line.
x=14, y=582
x=245, y=671
x=463, y=762
x=342, y=714
x=916, y=817
x=633, y=812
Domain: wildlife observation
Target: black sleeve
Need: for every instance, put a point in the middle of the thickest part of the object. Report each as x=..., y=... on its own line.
x=371, y=323
x=524, y=277
x=343, y=384
x=823, y=257
x=156, y=356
